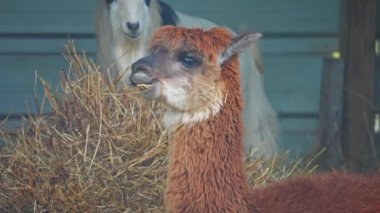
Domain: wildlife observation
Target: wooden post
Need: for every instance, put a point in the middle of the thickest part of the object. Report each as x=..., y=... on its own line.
x=358, y=51
x=377, y=98
x=331, y=112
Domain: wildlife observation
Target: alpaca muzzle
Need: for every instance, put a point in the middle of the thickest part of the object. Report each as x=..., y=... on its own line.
x=143, y=78
x=140, y=76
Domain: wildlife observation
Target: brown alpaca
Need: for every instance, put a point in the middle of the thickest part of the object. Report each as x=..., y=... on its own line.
x=195, y=73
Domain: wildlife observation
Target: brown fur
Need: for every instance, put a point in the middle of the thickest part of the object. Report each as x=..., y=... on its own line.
x=197, y=180
x=206, y=169
x=327, y=193
x=209, y=43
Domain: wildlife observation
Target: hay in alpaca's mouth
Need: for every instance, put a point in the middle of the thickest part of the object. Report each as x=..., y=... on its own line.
x=144, y=87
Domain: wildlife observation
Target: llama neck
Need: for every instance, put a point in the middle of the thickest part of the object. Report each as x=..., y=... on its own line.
x=130, y=50
x=126, y=52
x=206, y=169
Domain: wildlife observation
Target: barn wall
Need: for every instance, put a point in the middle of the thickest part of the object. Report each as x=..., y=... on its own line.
x=297, y=35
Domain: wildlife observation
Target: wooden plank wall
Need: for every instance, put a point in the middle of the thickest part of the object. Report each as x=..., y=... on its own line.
x=297, y=35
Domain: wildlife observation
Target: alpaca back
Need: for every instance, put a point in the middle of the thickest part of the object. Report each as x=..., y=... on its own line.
x=327, y=193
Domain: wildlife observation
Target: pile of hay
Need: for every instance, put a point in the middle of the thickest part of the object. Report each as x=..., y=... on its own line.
x=97, y=151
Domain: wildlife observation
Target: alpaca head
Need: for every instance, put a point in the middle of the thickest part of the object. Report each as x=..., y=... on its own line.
x=184, y=70
x=129, y=17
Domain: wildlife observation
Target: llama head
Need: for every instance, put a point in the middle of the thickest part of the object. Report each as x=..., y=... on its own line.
x=130, y=17
x=184, y=70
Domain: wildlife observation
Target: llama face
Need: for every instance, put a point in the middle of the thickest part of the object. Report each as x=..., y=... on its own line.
x=177, y=78
x=130, y=17
x=184, y=70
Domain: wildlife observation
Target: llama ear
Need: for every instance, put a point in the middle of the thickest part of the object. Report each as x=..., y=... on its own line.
x=238, y=45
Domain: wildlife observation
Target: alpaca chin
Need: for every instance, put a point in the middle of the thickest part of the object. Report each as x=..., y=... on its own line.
x=153, y=92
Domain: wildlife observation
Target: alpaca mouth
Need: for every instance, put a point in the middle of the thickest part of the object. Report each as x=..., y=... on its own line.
x=142, y=82
x=144, y=87
x=150, y=91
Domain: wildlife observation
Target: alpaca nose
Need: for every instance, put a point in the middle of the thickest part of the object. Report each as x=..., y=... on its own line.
x=140, y=73
x=141, y=65
x=133, y=26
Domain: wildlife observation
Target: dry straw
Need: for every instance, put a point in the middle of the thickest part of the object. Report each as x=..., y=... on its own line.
x=97, y=151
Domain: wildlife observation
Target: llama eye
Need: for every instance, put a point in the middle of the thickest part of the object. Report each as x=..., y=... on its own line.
x=187, y=60
x=110, y=1
x=147, y=2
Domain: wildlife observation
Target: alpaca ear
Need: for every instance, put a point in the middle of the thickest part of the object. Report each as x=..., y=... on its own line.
x=238, y=45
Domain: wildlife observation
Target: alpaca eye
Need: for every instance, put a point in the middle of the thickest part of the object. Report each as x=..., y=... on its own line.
x=110, y=1
x=188, y=60
x=147, y=2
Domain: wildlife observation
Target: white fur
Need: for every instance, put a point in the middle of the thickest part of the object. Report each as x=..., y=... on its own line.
x=172, y=118
x=117, y=53
x=175, y=96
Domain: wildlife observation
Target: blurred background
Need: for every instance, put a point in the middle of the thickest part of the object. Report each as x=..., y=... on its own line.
x=299, y=36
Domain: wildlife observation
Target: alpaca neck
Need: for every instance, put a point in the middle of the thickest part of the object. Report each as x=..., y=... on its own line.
x=206, y=170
